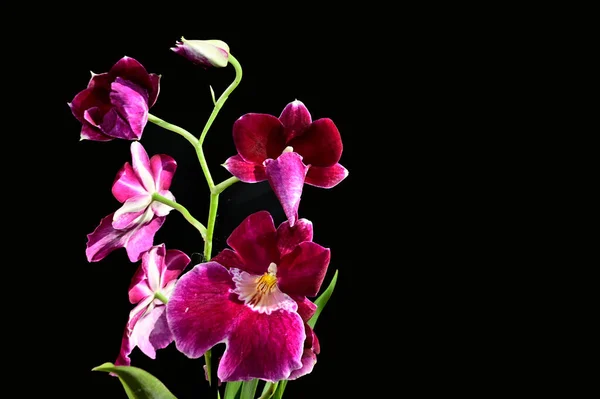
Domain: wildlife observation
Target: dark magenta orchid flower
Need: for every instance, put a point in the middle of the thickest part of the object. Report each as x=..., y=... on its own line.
x=287, y=151
x=134, y=225
x=147, y=327
x=115, y=104
x=253, y=298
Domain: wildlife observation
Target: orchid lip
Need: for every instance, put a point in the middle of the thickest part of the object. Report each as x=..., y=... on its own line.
x=261, y=293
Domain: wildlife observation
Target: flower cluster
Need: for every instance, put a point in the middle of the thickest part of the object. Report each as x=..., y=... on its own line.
x=253, y=295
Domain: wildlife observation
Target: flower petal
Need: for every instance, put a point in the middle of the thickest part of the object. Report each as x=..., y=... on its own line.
x=326, y=177
x=229, y=259
x=163, y=168
x=141, y=166
x=200, y=311
x=153, y=263
x=114, y=125
x=161, y=209
x=130, y=69
x=248, y=172
x=175, y=262
x=141, y=239
x=89, y=132
x=255, y=241
x=139, y=289
x=103, y=240
x=131, y=210
x=83, y=101
x=154, y=90
x=289, y=237
x=151, y=332
x=286, y=176
x=131, y=102
x=126, y=348
x=306, y=309
x=295, y=118
x=265, y=346
x=302, y=271
x=258, y=137
x=309, y=356
x=127, y=184
x=320, y=144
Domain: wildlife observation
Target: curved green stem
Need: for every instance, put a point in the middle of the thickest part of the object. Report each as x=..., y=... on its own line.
x=174, y=128
x=238, y=78
x=186, y=214
x=219, y=188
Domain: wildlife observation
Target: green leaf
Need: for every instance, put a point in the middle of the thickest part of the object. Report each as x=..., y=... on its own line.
x=322, y=301
x=249, y=389
x=138, y=384
x=233, y=390
x=280, y=388
x=269, y=390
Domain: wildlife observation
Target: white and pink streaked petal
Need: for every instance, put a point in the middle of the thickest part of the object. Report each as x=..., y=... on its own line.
x=302, y=271
x=175, y=262
x=127, y=184
x=138, y=289
x=247, y=291
x=201, y=311
x=141, y=166
x=289, y=237
x=255, y=348
x=153, y=262
x=151, y=332
x=286, y=176
x=131, y=210
x=103, y=240
x=255, y=241
x=141, y=239
x=161, y=209
x=163, y=168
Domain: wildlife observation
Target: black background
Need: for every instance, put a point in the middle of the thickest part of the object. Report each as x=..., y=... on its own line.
x=407, y=228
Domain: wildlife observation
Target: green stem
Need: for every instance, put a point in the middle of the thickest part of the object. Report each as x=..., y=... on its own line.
x=161, y=297
x=166, y=125
x=268, y=392
x=186, y=214
x=214, y=193
x=212, y=216
x=219, y=188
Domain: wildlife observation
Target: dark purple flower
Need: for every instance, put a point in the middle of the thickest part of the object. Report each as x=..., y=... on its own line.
x=147, y=327
x=115, y=104
x=253, y=298
x=134, y=225
x=287, y=151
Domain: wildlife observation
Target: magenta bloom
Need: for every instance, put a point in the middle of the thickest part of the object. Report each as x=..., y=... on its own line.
x=287, y=151
x=134, y=225
x=147, y=327
x=253, y=298
x=115, y=104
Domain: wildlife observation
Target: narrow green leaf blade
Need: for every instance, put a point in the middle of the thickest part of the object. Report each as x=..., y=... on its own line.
x=280, y=388
x=322, y=301
x=233, y=390
x=269, y=390
x=138, y=384
x=249, y=389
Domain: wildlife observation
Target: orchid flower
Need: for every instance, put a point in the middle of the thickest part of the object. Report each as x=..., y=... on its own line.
x=253, y=298
x=134, y=225
x=115, y=104
x=147, y=327
x=287, y=151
